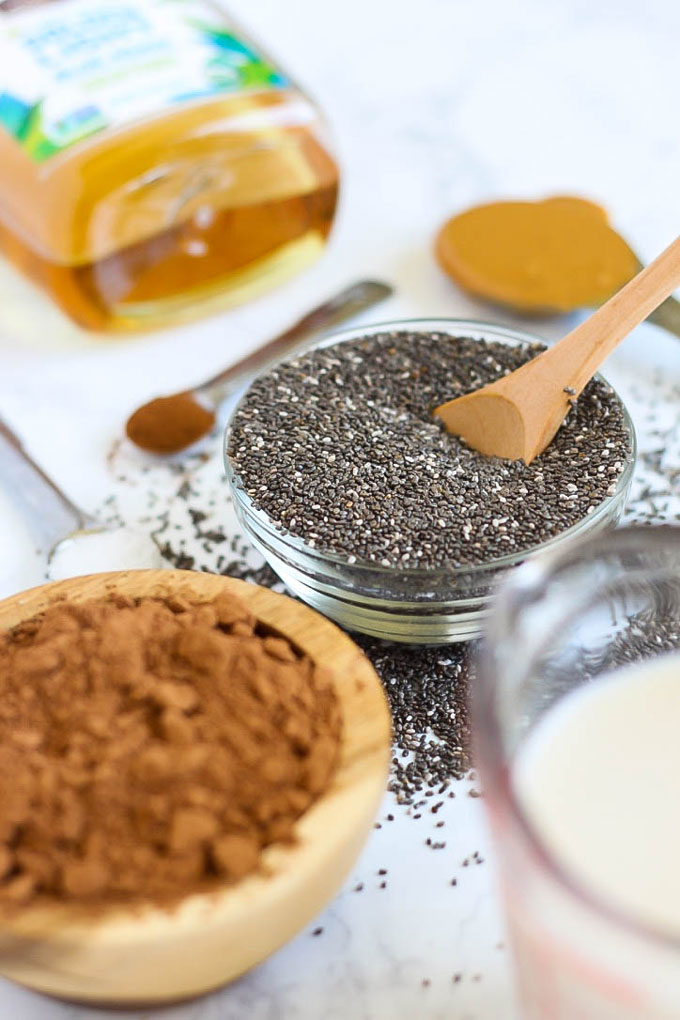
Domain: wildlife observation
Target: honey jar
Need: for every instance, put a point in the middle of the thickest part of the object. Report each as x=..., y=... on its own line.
x=155, y=163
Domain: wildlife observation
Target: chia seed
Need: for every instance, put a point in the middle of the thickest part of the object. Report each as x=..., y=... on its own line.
x=339, y=448
x=436, y=747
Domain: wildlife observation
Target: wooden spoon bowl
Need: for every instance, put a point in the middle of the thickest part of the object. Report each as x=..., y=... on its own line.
x=145, y=956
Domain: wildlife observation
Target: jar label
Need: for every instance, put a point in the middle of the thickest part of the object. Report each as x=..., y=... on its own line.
x=73, y=68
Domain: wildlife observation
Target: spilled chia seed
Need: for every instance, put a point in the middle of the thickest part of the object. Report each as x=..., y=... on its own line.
x=427, y=689
x=339, y=448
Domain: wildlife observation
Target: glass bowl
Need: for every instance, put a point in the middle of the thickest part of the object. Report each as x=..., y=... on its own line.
x=416, y=605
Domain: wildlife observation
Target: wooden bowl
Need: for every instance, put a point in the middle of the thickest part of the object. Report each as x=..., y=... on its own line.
x=149, y=955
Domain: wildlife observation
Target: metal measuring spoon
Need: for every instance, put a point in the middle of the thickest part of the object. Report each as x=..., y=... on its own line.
x=167, y=425
x=76, y=542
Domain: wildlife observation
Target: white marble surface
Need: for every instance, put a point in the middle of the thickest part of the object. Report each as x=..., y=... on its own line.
x=434, y=106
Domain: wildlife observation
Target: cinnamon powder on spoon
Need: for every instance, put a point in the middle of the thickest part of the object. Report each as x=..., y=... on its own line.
x=169, y=424
x=152, y=748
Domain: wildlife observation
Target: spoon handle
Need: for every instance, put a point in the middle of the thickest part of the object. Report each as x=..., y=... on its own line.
x=579, y=354
x=53, y=514
x=338, y=309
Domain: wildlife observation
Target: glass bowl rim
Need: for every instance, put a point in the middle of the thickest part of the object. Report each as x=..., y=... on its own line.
x=455, y=327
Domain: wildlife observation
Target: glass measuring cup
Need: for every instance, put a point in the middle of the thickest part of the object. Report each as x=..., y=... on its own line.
x=560, y=622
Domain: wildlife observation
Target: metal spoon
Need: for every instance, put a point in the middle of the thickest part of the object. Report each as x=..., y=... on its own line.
x=76, y=542
x=170, y=424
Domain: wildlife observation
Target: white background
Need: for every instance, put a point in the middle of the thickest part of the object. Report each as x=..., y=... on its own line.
x=434, y=105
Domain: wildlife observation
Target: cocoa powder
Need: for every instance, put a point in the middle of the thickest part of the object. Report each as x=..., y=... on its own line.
x=153, y=747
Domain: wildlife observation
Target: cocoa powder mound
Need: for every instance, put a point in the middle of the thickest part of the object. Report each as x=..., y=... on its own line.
x=153, y=747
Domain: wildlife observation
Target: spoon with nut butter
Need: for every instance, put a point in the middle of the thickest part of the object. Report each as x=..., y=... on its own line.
x=542, y=258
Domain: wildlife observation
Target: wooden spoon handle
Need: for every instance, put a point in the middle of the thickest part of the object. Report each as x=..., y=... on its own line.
x=580, y=353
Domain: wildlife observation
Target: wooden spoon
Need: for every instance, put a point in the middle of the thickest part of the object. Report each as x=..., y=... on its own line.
x=518, y=415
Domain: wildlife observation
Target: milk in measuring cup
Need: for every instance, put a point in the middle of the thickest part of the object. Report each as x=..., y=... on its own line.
x=598, y=781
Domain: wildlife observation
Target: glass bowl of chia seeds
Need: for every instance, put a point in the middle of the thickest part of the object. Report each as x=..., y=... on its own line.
x=369, y=511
